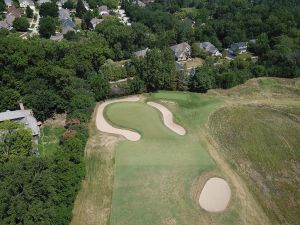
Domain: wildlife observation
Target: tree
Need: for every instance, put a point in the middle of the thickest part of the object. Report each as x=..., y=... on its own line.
x=29, y=12
x=49, y=9
x=47, y=27
x=2, y=6
x=9, y=99
x=16, y=140
x=100, y=86
x=202, y=81
x=136, y=85
x=80, y=9
x=68, y=5
x=21, y=24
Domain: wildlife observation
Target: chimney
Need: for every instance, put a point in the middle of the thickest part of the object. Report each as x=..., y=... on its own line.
x=21, y=106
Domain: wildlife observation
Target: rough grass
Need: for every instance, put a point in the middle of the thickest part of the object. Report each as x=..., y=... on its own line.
x=262, y=144
x=93, y=202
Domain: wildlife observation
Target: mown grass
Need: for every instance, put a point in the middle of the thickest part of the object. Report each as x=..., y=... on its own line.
x=153, y=176
x=49, y=140
x=262, y=144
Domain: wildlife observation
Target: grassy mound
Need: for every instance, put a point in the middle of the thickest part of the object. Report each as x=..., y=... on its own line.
x=262, y=144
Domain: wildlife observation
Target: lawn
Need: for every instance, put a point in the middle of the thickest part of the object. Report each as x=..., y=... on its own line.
x=153, y=177
x=262, y=144
x=49, y=140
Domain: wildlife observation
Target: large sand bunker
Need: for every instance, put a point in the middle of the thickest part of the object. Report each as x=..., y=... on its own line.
x=168, y=118
x=104, y=126
x=215, y=195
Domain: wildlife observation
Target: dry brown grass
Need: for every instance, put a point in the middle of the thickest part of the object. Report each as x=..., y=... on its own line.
x=93, y=202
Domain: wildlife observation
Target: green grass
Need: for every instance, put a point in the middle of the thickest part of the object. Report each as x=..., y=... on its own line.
x=153, y=176
x=49, y=140
x=262, y=144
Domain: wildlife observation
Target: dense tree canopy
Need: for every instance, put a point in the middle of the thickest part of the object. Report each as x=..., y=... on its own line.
x=49, y=9
x=21, y=24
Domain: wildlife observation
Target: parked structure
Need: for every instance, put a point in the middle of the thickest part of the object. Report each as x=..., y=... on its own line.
x=182, y=52
x=210, y=48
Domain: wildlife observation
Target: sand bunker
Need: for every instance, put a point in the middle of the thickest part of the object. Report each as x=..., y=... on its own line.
x=168, y=118
x=215, y=195
x=104, y=126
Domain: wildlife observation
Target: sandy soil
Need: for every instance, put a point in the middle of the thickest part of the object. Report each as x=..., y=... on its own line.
x=168, y=118
x=215, y=195
x=104, y=126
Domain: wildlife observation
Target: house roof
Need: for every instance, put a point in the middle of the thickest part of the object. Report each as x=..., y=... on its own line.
x=238, y=45
x=67, y=22
x=4, y=24
x=140, y=3
x=9, y=19
x=64, y=13
x=13, y=11
x=8, y=2
x=141, y=53
x=86, y=5
x=96, y=21
x=24, y=116
x=209, y=47
x=179, y=49
x=103, y=8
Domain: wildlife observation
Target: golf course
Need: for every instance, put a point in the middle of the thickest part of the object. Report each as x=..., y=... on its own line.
x=181, y=158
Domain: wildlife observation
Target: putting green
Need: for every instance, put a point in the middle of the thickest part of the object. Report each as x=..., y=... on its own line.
x=153, y=176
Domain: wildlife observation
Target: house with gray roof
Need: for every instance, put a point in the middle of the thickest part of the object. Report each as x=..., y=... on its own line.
x=210, y=48
x=24, y=116
x=141, y=53
x=182, y=52
x=4, y=25
x=64, y=13
x=238, y=48
x=95, y=21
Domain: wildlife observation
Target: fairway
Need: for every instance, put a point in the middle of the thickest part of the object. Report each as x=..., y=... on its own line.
x=152, y=176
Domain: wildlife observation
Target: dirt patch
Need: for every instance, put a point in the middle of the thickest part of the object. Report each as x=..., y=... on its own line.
x=104, y=126
x=168, y=118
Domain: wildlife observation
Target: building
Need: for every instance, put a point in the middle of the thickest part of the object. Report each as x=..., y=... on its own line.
x=182, y=52
x=13, y=11
x=95, y=21
x=238, y=48
x=64, y=13
x=4, y=25
x=8, y=3
x=67, y=25
x=210, y=48
x=24, y=116
x=103, y=10
x=25, y=3
x=141, y=53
